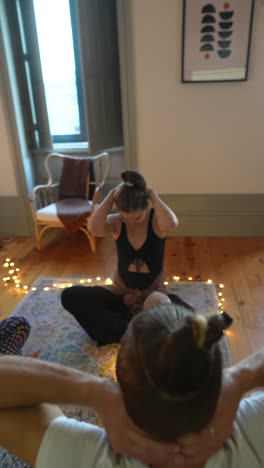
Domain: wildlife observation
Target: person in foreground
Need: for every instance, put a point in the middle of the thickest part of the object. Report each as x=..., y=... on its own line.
x=139, y=229
x=170, y=383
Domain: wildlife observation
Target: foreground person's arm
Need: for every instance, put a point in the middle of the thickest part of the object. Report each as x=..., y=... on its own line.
x=246, y=376
x=26, y=383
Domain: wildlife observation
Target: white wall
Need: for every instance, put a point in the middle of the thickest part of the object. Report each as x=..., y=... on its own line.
x=194, y=138
x=7, y=175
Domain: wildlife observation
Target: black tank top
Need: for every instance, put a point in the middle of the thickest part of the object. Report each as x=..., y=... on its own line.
x=151, y=253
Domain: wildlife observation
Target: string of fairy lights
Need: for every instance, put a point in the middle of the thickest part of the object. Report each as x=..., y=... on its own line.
x=12, y=276
x=13, y=279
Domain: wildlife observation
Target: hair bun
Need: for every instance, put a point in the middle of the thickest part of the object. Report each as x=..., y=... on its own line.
x=134, y=179
x=227, y=319
x=208, y=329
x=199, y=325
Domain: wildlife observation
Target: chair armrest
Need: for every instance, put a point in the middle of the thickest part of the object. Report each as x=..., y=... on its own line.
x=98, y=195
x=43, y=194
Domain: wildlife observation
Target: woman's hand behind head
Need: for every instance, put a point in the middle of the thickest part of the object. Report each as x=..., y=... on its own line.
x=125, y=437
x=198, y=447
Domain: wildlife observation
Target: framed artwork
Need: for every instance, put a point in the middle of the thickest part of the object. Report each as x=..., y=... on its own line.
x=216, y=39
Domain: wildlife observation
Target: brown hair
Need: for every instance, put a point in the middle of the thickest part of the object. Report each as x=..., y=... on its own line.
x=132, y=193
x=169, y=370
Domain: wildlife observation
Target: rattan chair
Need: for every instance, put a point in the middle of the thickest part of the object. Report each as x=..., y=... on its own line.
x=88, y=174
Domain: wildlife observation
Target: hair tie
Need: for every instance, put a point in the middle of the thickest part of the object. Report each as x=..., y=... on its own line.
x=129, y=184
x=199, y=329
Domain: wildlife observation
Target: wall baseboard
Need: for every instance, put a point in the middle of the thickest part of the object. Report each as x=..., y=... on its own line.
x=238, y=215
x=199, y=215
x=14, y=219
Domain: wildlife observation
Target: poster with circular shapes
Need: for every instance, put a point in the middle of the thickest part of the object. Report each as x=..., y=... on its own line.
x=216, y=40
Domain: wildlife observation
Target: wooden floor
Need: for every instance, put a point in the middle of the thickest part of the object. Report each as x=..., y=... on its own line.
x=238, y=263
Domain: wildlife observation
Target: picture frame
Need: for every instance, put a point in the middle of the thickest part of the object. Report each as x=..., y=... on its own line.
x=216, y=38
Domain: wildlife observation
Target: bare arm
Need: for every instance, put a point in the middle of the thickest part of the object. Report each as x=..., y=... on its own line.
x=101, y=223
x=165, y=219
x=39, y=381
x=249, y=373
x=26, y=383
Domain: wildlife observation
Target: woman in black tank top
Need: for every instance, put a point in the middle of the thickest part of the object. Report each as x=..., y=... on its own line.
x=139, y=231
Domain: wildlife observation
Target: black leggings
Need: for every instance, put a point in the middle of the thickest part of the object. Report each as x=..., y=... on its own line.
x=101, y=313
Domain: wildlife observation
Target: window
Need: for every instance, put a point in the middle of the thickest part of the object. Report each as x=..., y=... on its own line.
x=67, y=64
x=61, y=76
